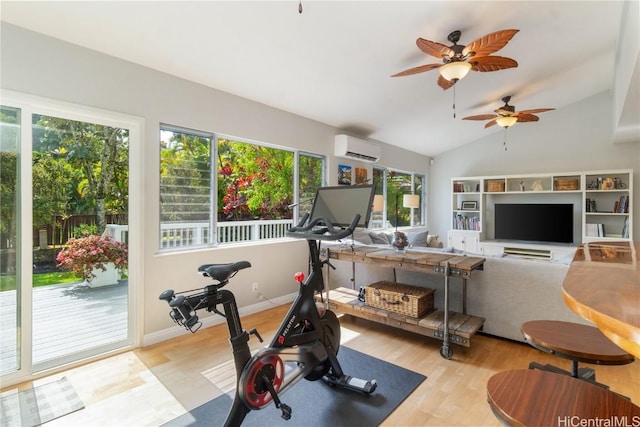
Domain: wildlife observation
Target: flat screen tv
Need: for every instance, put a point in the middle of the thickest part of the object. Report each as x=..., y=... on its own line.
x=534, y=222
x=341, y=204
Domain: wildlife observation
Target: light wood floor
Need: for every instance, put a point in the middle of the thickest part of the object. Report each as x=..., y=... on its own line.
x=150, y=386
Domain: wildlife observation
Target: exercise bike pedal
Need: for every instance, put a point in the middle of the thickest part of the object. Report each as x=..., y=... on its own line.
x=352, y=383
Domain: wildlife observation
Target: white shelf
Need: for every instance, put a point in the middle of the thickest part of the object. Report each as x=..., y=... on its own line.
x=607, y=188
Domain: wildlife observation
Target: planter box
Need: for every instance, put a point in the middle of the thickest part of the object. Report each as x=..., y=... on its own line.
x=104, y=278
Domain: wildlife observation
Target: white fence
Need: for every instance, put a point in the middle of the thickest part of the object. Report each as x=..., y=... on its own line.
x=186, y=234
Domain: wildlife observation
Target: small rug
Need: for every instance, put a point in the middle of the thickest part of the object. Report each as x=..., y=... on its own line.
x=314, y=403
x=39, y=405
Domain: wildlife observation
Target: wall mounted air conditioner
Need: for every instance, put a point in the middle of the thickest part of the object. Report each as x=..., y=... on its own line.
x=357, y=149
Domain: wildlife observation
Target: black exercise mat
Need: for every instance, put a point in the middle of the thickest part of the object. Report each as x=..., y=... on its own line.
x=314, y=403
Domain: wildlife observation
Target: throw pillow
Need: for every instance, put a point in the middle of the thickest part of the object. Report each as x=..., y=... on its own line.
x=380, y=238
x=418, y=238
x=362, y=236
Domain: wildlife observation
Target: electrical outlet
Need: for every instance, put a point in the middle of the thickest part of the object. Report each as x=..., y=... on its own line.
x=254, y=287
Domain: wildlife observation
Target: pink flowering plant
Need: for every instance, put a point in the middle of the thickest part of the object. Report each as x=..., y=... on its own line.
x=84, y=254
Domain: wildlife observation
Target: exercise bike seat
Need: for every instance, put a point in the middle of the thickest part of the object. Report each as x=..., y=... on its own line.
x=222, y=272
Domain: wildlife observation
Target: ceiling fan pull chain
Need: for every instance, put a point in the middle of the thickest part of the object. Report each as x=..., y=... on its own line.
x=504, y=141
x=300, y=7
x=454, y=101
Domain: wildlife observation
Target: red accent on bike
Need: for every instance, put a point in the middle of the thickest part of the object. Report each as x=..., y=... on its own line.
x=256, y=394
x=299, y=276
x=280, y=339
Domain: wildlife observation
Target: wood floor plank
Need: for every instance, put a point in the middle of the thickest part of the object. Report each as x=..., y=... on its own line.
x=454, y=393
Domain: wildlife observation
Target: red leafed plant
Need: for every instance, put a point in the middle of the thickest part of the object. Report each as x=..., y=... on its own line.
x=84, y=254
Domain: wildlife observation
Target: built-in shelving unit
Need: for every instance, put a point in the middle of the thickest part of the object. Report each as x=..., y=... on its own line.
x=606, y=211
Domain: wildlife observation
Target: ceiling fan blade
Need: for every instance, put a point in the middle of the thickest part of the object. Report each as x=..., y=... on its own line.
x=480, y=117
x=434, y=48
x=535, y=111
x=491, y=63
x=490, y=43
x=416, y=70
x=444, y=83
x=491, y=123
x=527, y=117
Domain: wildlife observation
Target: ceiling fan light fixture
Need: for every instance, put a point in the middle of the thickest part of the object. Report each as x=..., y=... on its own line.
x=454, y=71
x=506, y=121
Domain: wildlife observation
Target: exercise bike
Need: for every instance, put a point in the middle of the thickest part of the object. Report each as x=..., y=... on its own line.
x=305, y=345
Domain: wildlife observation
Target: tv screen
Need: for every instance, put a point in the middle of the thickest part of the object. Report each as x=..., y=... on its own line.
x=341, y=204
x=534, y=222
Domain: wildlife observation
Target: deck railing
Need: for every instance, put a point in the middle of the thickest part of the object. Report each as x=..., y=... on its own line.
x=186, y=234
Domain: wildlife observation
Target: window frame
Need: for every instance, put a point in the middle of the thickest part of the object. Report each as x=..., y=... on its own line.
x=214, y=185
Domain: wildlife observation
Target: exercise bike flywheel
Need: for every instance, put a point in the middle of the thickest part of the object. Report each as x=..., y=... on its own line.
x=253, y=390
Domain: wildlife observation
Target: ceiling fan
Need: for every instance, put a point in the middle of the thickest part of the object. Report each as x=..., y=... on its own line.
x=457, y=59
x=507, y=115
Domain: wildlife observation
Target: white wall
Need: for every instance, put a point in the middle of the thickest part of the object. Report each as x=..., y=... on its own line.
x=46, y=67
x=575, y=138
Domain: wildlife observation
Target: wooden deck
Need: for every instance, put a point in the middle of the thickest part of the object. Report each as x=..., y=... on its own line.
x=67, y=319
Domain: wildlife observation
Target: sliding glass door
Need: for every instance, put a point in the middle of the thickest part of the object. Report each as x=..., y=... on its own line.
x=65, y=290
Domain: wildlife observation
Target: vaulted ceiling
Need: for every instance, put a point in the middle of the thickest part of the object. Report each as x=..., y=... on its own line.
x=333, y=62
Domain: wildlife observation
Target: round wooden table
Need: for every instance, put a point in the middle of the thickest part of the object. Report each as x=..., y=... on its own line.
x=576, y=342
x=603, y=286
x=529, y=397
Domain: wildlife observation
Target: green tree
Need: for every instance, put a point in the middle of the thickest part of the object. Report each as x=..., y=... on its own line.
x=100, y=152
x=51, y=181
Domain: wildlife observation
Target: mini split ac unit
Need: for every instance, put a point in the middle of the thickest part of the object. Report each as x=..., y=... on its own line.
x=358, y=149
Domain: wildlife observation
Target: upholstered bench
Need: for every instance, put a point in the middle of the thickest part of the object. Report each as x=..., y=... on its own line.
x=576, y=342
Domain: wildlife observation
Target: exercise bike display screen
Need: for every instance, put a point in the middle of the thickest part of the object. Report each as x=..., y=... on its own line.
x=341, y=204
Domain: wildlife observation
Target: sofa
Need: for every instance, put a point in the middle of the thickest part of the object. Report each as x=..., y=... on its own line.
x=509, y=291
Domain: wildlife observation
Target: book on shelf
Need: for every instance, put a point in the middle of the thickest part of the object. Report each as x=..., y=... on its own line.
x=463, y=222
x=622, y=205
x=625, y=229
x=594, y=230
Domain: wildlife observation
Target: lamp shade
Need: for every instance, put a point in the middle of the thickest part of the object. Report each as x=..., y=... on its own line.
x=454, y=71
x=411, y=201
x=378, y=203
x=506, y=121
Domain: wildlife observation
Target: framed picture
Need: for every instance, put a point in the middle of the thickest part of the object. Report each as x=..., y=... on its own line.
x=361, y=176
x=469, y=206
x=344, y=175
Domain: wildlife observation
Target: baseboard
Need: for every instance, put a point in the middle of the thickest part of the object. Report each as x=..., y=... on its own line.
x=176, y=331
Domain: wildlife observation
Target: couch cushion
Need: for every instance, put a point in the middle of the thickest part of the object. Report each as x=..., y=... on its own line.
x=380, y=238
x=418, y=238
x=362, y=236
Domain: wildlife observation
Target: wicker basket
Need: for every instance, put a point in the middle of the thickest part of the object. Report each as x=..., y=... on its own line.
x=412, y=301
x=566, y=184
x=495, y=186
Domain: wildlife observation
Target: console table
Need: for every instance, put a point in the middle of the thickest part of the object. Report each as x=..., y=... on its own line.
x=441, y=324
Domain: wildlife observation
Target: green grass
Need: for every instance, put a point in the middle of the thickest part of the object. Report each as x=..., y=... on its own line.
x=8, y=283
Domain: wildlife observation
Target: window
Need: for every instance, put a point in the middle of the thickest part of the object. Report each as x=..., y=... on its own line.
x=241, y=190
x=392, y=186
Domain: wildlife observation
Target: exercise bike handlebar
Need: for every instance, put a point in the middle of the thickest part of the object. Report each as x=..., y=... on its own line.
x=321, y=228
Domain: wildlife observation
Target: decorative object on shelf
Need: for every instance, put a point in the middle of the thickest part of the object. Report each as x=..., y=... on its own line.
x=458, y=60
x=469, y=206
x=400, y=241
x=537, y=185
x=521, y=185
x=495, y=186
x=566, y=184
